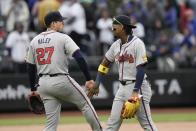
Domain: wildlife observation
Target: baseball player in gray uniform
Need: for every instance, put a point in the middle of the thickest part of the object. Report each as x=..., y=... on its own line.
x=48, y=54
x=129, y=53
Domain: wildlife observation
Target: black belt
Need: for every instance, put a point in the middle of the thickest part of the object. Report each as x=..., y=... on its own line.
x=127, y=82
x=52, y=75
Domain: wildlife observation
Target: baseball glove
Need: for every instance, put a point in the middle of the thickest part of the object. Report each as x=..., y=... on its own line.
x=35, y=103
x=129, y=109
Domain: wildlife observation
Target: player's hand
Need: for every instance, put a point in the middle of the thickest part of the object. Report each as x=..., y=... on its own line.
x=92, y=90
x=131, y=106
x=135, y=96
x=89, y=84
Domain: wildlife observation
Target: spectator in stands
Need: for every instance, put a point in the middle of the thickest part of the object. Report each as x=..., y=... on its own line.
x=191, y=22
x=185, y=51
x=64, y=10
x=153, y=21
x=191, y=37
x=91, y=10
x=31, y=4
x=75, y=25
x=192, y=4
x=177, y=52
x=40, y=9
x=184, y=7
x=3, y=32
x=17, y=44
x=164, y=47
x=171, y=16
x=104, y=25
x=34, y=19
x=5, y=6
x=101, y=4
x=125, y=7
x=139, y=31
x=18, y=12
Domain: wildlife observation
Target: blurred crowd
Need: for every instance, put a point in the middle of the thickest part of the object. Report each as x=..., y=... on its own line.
x=168, y=28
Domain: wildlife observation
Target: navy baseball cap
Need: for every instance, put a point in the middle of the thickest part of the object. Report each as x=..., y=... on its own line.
x=123, y=20
x=52, y=17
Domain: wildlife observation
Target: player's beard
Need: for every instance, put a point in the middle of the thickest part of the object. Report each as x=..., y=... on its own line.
x=115, y=34
x=115, y=38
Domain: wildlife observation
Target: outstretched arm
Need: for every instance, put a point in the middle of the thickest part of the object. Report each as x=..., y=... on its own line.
x=102, y=70
x=84, y=67
x=82, y=64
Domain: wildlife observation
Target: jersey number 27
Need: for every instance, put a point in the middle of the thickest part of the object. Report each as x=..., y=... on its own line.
x=44, y=55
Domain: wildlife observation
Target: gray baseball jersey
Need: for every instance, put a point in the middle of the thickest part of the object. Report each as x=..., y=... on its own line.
x=128, y=56
x=50, y=51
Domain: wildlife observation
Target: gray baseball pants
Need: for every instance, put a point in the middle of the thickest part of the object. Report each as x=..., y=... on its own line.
x=55, y=90
x=143, y=115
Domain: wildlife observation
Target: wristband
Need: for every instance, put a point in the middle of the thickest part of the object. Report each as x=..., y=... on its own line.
x=103, y=69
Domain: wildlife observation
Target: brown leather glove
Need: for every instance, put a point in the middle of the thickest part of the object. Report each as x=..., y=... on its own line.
x=35, y=103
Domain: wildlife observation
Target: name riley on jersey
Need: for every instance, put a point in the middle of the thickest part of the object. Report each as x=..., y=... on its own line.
x=44, y=40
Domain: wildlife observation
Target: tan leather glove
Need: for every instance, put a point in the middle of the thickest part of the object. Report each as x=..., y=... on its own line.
x=130, y=107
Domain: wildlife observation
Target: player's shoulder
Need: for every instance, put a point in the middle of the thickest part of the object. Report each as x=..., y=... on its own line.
x=34, y=38
x=116, y=43
x=62, y=35
x=134, y=39
x=138, y=43
x=137, y=40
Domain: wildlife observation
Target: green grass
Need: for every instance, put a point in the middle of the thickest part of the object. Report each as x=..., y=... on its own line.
x=22, y=121
x=174, y=117
x=165, y=117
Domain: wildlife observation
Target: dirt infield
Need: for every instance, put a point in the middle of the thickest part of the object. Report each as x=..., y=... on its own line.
x=162, y=126
x=172, y=126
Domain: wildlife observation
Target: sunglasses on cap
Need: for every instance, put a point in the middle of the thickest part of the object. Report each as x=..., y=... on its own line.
x=123, y=20
x=115, y=21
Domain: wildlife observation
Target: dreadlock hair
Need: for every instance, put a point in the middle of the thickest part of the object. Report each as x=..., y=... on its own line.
x=128, y=30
